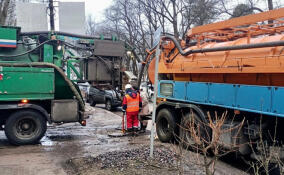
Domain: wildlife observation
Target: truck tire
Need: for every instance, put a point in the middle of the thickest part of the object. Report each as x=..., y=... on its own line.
x=166, y=125
x=25, y=127
x=108, y=105
x=202, y=131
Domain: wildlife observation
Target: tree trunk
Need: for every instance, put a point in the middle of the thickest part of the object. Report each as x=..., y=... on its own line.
x=175, y=27
x=270, y=4
x=3, y=11
x=270, y=7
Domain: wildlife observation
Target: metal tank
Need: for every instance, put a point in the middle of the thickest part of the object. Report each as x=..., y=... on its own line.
x=242, y=54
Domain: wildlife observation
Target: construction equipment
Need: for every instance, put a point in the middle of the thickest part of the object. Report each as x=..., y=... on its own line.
x=235, y=66
x=38, y=76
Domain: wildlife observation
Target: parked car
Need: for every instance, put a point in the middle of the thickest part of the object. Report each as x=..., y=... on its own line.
x=84, y=87
x=110, y=98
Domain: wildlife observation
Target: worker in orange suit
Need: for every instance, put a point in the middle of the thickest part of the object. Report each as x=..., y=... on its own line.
x=132, y=104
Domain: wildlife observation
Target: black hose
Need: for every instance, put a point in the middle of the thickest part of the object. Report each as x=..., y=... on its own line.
x=61, y=33
x=226, y=48
x=41, y=44
x=73, y=46
x=142, y=68
x=181, y=51
x=238, y=47
x=21, y=54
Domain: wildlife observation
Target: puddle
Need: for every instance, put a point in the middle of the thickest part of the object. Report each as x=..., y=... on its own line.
x=62, y=137
x=46, y=142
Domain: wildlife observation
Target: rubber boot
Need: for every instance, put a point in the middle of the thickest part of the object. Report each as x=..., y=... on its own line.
x=143, y=128
x=135, y=132
x=129, y=131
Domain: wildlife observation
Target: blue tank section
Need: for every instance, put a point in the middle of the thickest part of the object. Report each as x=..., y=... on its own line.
x=266, y=100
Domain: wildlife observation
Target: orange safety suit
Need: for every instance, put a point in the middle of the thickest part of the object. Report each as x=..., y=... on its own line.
x=131, y=104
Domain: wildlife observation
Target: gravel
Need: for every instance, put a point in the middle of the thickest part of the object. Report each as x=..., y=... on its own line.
x=121, y=159
x=134, y=161
x=126, y=162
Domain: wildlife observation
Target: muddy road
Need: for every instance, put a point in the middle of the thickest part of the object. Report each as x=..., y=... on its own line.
x=67, y=146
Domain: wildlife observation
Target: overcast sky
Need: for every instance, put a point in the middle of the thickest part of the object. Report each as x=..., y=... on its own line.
x=94, y=7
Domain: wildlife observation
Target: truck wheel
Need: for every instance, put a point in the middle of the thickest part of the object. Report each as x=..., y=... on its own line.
x=191, y=121
x=25, y=127
x=108, y=105
x=166, y=125
x=92, y=102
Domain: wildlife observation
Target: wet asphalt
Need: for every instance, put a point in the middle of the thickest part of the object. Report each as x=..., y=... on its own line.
x=68, y=141
x=63, y=142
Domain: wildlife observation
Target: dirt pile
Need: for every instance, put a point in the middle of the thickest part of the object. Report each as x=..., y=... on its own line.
x=135, y=161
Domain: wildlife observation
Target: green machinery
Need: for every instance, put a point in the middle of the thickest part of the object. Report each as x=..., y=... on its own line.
x=38, y=75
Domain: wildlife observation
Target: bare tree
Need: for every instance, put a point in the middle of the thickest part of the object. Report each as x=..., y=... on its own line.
x=7, y=11
x=196, y=13
x=204, y=136
x=270, y=4
x=4, y=7
x=135, y=21
x=126, y=22
x=168, y=10
x=265, y=150
x=248, y=7
x=90, y=26
x=11, y=16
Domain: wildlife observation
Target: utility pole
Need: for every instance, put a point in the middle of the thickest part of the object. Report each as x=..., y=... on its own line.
x=270, y=4
x=156, y=44
x=270, y=7
x=51, y=15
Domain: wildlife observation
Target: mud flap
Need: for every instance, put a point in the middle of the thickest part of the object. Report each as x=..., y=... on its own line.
x=64, y=111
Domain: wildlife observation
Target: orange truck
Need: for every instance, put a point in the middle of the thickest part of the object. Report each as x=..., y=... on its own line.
x=234, y=66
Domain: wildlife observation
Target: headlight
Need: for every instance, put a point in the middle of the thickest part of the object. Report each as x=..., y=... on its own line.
x=166, y=89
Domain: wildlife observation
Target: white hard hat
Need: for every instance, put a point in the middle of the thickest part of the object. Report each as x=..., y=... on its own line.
x=128, y=86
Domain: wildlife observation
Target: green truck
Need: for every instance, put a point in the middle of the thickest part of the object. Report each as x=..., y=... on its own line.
x=38, y=74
